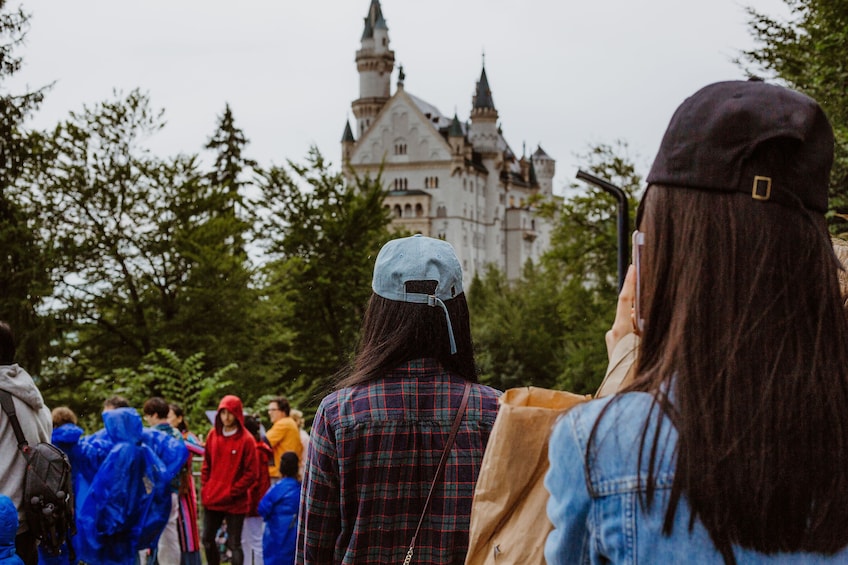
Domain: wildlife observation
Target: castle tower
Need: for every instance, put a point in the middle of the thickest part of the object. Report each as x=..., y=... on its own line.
x=375, y=62
x=544, y=168
x=483, y=132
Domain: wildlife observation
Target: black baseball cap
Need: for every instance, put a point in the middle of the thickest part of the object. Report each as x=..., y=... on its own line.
x=761, y=139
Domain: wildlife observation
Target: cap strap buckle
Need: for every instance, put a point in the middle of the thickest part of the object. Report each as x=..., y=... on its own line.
x=762, y=188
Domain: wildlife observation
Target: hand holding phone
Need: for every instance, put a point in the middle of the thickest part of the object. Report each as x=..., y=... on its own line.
x=624, y=322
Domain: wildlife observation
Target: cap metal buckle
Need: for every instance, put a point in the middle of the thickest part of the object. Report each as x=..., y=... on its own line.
x=762, y=188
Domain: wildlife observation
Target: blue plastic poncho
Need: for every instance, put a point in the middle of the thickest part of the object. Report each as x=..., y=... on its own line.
x=279, y=509
x=8, y=528
x=127, y=502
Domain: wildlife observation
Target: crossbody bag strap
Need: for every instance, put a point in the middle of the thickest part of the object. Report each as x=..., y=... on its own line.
x=9, y=408
x=454, y=429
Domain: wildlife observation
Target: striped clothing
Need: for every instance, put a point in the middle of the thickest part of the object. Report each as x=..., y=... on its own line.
x=373, y=454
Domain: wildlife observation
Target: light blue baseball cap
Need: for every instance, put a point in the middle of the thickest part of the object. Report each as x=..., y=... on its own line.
x=419, y=258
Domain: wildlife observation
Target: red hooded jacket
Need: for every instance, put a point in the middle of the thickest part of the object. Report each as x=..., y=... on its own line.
x=265, y=455
x=230, y=464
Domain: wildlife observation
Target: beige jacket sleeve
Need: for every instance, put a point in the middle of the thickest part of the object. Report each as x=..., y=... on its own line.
x=621, y=366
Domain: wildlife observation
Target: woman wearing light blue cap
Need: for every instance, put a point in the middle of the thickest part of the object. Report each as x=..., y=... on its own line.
x=377, y=441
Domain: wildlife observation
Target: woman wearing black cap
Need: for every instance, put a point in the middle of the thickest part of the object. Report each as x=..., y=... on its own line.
x=731, y=443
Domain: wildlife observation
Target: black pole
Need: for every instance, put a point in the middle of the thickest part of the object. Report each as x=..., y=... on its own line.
x=623, y=221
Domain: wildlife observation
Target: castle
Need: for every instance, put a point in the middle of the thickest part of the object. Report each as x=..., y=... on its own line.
x=458, y=181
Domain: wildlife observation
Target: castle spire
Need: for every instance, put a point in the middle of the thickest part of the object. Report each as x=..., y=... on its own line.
x=375, y=62
x=483, y=97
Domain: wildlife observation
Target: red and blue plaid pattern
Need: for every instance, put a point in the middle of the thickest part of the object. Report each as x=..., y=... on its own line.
x=373, y=453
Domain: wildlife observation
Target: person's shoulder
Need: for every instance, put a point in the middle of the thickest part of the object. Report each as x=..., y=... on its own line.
x=15, y=380
x=617, y=412
x=486, y=391
x=613, y=428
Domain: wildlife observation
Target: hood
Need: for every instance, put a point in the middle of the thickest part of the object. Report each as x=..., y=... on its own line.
x=67, y=434
x=262, y=446
x=123, y=424
x=8, y=521
x=233, y=404
x=18, y=383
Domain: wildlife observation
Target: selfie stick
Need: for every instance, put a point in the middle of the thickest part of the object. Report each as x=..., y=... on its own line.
x=623, y=220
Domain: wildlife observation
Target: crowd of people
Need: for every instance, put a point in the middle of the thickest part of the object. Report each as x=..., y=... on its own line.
x=722, y=439
x=134, y=492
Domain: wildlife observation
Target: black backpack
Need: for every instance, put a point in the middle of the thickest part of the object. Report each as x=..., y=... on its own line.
x=48, y=497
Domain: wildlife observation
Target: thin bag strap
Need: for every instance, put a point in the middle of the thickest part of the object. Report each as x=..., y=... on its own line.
x=448, y=445
x=9, y=408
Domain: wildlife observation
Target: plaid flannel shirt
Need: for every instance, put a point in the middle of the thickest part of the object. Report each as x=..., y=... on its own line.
x=374, y=451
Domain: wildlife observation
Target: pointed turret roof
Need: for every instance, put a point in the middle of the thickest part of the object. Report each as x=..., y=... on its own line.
x=348, y=133
x=540, y=153
x=374, y=20
x=483, y=98
x=455, y=128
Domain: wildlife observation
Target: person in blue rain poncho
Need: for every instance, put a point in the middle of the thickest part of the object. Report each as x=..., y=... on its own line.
x=279, y=509
x=125, y=502
x=8, y=527
x=66, y=435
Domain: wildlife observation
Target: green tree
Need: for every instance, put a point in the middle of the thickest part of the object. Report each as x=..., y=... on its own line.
x=324, y=232
x=25, y=261
x=164, y=373
x=808, y=51
x=516, y=328
x=147, y=257
x=547, y=328
x=583, y=257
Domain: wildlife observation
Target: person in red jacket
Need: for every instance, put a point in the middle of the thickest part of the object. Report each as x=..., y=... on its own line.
x=251, y=534
x=230, y=468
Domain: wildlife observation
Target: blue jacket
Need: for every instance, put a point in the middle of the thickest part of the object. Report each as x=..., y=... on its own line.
x=65, y=437
x=127, y=501
x=8, y=530
x=609, y=525
x=279, y=510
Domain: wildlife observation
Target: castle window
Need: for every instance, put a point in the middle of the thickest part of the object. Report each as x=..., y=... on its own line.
x=441, y=212
x=427, y=182
x=400, y=148
x=419, y=210
x=407, y=211
x=398, y=211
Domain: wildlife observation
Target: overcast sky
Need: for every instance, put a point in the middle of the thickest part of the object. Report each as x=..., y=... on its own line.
x=563, y=74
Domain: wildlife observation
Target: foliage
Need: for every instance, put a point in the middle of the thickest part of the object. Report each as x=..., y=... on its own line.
x=180, y=381
x=145, y=255
x=516, y=328
x=325, y=232
x=583, y=257
x=547, y=328
x=24, y=265
x=808, y=51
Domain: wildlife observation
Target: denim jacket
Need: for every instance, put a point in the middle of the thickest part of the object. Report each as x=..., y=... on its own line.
x=595, y=507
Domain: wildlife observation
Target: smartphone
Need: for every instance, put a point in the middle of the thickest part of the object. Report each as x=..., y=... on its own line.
x=638, y=242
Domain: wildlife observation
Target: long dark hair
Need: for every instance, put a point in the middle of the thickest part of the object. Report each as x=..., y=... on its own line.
x=744, y=324
x=396, y=332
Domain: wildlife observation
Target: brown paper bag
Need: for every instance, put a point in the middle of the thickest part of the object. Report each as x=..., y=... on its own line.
x=509, y=522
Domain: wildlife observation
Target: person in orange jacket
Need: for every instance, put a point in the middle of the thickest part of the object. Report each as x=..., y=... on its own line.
x=230, y=468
